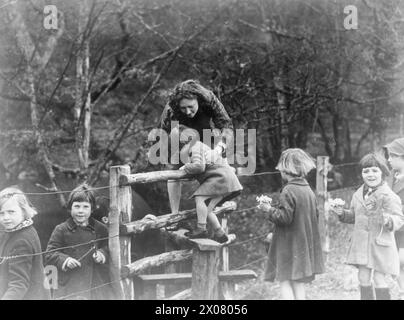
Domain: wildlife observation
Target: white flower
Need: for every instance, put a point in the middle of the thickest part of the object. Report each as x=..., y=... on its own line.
x=336, y=202
x=264, y=199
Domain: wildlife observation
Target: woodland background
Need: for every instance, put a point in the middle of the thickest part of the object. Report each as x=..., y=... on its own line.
x=76, y=100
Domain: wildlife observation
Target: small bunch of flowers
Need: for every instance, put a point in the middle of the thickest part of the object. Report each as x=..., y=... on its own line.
x=262, y=199
x=336, y=202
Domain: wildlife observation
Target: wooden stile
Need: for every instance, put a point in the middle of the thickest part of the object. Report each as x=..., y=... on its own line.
x=120, y=246
x=205, y=269
x=321, y=190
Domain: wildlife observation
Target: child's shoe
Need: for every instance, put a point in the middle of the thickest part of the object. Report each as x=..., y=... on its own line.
x=221, y=238
x=197, y=234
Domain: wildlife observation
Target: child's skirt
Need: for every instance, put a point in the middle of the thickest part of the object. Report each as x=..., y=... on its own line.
x=218, y=180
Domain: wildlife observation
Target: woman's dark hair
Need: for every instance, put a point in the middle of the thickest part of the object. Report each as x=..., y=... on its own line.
x=189, y=89
x=375, y=160
x=82, y=193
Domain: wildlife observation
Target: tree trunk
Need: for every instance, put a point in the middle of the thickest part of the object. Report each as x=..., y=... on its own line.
x=82, y=107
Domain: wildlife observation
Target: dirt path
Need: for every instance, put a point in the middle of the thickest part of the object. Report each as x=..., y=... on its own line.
x=339, y=282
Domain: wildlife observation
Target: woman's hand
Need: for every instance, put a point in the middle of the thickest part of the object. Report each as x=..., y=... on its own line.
x=99, y=257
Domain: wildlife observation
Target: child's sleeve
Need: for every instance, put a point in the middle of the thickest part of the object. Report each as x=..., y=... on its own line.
x=197, y=164
x=283, y=215
x=19, y=271
x=394, y=209
x=348, y=216
x=56, y=257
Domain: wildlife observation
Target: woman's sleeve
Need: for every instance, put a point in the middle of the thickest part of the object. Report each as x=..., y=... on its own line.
x=221, y=119
x=56, y=258
x=197, y=164
x=166, y=118
x=283, y=215
x=19, y=271
x=395, y=211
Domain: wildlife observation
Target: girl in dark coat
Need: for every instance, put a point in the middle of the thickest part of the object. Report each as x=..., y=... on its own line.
x=81, y=261
x=295, y=255
x=22, y=276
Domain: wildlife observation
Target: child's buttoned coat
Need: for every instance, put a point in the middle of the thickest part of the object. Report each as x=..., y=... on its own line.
x=372, y=244
x=79, y=283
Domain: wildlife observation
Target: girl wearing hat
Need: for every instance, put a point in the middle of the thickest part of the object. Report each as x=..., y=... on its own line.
x=376, y=213
x=395, y=157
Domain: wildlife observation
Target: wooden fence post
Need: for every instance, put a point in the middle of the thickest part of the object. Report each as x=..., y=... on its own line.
x=321, y=190
x=205, y=270
x=226, y=287
x=120, y=246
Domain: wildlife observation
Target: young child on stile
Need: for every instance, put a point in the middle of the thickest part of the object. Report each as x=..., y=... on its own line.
x=395, y=157
x=295, y=254
x=376, y=213
x=82, y=264
x=218, y=182
x=22, y=276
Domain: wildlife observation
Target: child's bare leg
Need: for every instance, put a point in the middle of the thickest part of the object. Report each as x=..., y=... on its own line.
x=299, y=290
x=381, y=289
x=287, y=291
x=201, y=211
x=212, y=218
x=366, y=288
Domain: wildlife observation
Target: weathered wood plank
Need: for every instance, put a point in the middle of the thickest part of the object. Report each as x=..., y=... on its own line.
x=183, y=295
x=205, y=269
x=321, y=190
x=181, y=278
x=139, y=226
x=155, y=176
x=206, y=244
x=146, y=263
x=120, y=247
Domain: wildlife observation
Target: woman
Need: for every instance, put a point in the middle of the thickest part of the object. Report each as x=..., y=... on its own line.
x=196, y=107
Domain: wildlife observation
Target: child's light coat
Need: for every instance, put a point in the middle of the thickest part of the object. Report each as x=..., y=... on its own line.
x=371, y=246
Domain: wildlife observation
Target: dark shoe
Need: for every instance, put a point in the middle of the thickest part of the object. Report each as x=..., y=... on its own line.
x=221, y=239
x=197, y=234
x=367, y=293
x=382, y=294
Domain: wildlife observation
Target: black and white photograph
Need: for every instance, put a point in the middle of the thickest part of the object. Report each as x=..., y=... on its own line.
x=222, y=151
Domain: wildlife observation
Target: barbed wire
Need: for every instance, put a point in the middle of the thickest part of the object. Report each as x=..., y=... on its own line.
x=247, y=241
x=252, y=262
x=89, y=290
x=185, y=179
x=6, y=258
x=3, y=259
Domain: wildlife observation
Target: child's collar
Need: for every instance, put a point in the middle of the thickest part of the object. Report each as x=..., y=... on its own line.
x=298, y=181
x=26, y=223
x=73, y=225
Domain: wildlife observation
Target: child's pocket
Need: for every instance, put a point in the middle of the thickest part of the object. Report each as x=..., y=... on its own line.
x=384, y=238
x=383, y=242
